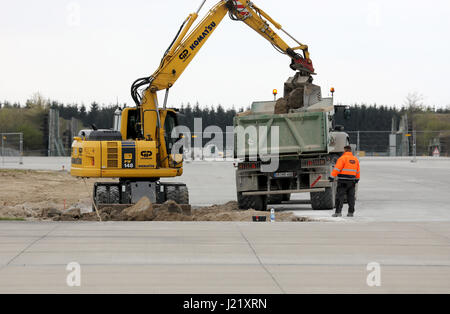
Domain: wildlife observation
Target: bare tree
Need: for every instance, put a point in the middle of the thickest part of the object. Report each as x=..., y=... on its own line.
x=37, y=100
x=414, y=102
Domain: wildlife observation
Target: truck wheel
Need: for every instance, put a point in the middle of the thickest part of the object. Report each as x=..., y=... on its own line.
x=261, y=203
x=275, y=199
x=286, y=197
x=256, y=202
x=324, y=200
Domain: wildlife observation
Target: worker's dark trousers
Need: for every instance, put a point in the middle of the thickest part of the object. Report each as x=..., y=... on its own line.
x=345, y=187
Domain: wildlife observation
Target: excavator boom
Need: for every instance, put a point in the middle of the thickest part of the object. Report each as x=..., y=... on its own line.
x=187, y=44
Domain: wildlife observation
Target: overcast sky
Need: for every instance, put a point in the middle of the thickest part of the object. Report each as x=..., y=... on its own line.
x=370, y=51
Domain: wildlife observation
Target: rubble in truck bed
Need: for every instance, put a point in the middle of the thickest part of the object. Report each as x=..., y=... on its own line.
x=299, y=95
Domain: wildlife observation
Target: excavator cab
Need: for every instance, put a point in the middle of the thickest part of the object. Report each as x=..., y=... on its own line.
x=125, y=122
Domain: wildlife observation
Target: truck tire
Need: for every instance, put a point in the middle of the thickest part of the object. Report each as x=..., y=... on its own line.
x=286, y=197
x=275, y=199
x=324, y=200
x=256, y=202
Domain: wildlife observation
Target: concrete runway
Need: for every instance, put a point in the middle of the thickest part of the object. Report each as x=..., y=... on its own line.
x=402, y=223
x=225, y=257
x=390, y=189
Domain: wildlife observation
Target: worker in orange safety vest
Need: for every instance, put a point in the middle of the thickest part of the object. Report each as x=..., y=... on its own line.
x=348, y=174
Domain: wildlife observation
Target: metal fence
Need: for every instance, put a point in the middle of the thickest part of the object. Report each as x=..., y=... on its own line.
x=368, y=143
x=11, y=150
x=414, y=143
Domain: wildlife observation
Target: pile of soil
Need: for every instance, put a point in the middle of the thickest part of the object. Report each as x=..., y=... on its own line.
x=281, y=107
x=294, y=100
x=230, y=212
x=170, y=211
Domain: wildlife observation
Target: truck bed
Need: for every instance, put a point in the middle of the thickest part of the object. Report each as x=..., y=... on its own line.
x=299, y=133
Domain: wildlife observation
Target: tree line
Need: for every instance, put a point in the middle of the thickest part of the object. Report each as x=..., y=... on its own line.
x=29, y=117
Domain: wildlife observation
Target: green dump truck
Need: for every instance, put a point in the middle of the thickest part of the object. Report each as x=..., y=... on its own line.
x=289, y=152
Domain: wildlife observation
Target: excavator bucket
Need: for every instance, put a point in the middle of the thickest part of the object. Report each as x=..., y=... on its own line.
x=302, y=65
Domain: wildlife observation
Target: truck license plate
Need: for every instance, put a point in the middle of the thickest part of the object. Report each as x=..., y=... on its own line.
x=283, y=175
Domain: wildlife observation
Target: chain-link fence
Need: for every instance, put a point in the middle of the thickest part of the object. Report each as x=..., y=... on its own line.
x=11, y=148
x=414, y=143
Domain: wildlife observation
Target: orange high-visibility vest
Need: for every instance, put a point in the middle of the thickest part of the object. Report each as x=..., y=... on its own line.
x=347, y=167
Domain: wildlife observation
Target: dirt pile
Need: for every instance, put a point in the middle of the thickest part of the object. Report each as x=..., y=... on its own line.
x=144, y=210
x=230, y=212
x=281, y=106
x=226, y=212
x=295, y=98
x=141, y=211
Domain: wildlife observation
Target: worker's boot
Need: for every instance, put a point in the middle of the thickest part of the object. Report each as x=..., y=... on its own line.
x=337, y=215
x=350, y=215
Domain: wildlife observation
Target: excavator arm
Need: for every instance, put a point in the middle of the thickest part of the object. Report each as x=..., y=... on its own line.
x=184, y=48
x=254, y=17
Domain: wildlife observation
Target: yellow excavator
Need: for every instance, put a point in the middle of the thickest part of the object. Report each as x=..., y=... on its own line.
x=139, y=150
